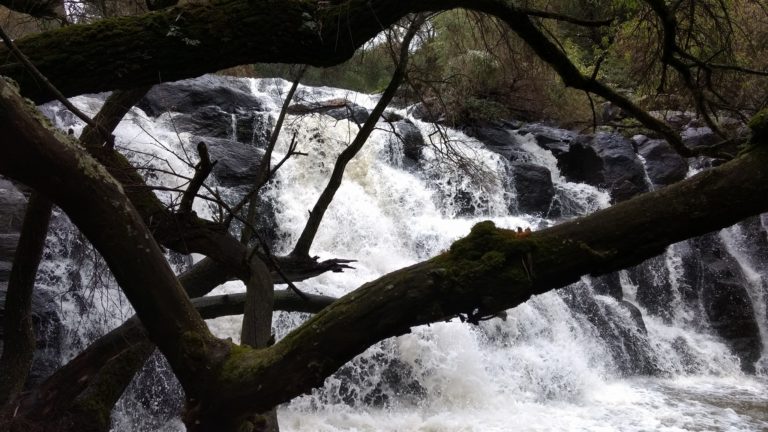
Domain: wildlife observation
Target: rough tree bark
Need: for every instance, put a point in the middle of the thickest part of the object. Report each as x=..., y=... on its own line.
x=167, y=45
x=257, y=332
x=488, y=271
x=19, y=334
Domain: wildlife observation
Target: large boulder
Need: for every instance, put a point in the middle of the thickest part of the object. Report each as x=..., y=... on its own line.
x=187, y=96
x=619, y=324
x=606, y=160
x=534, y=187
x=247, y=127
x=699, y=137
x=411, y=139
x=237, y=164
x=654, y=288
x=553, y=139
x=498, y=139
x=662, y=163
x=580, y=163
x=726, y=300
x=623, y=173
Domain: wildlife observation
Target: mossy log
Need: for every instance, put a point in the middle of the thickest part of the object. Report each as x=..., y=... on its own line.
x=488, y=271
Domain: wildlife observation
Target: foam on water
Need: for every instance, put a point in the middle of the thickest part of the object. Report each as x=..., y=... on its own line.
x=542, y=368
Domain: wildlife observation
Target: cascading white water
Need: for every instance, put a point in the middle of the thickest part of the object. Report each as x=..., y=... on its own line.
x=544, y=367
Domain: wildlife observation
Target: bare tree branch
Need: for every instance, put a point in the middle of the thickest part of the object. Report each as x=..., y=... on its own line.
x=316, y=215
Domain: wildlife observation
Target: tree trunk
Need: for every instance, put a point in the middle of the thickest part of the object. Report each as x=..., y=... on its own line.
x=19, y=343
x=257, y=331
x=488, y=271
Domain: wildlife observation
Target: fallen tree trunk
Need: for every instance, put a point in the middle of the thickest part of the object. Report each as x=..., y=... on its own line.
x=488, y=271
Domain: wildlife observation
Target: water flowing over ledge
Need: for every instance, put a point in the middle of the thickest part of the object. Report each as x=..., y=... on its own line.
x=660, y=346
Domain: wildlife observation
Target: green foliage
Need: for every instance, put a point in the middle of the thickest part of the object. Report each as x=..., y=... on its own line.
x=368, y=71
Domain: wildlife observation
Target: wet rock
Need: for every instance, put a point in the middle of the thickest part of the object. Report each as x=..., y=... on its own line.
x=553, y=139
x=411, y=139
x=639, y=140
x=580, y=163
x=186, y=96
x=608, y=284
x=12, y=206
x=5, y=270
x=534, y=187
x=371, y=380
x=211, y=121
x=237, y=164
x=654, y=289
x=428, y=113
x=662, y=163
x=623, y=172
x=352, y=112
x=625, y=338
x=391, y=117
x=497, y=139
x=636, y=314
x=699, y=137
x=726, y=301
x=208, y=121
x=606, y=160
x=340, y=109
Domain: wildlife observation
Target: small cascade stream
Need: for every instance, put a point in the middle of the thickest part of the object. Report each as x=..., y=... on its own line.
x=639, y=350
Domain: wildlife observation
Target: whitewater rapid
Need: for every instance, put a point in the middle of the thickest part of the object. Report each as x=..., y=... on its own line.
x=543, y=368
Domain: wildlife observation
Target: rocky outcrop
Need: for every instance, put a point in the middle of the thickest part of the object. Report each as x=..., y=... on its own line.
x=619, y=325
x=726, y=300
x=498, y=139
x=237, y=164
x=654, y=289
x=410, y=138
x=533, y=186
x=187, y=96
x=211, y=121
x=662, y=163
x=606, y=160
x=623, y=173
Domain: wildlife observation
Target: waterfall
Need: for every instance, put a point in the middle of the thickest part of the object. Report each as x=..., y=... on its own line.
x=597, y=355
